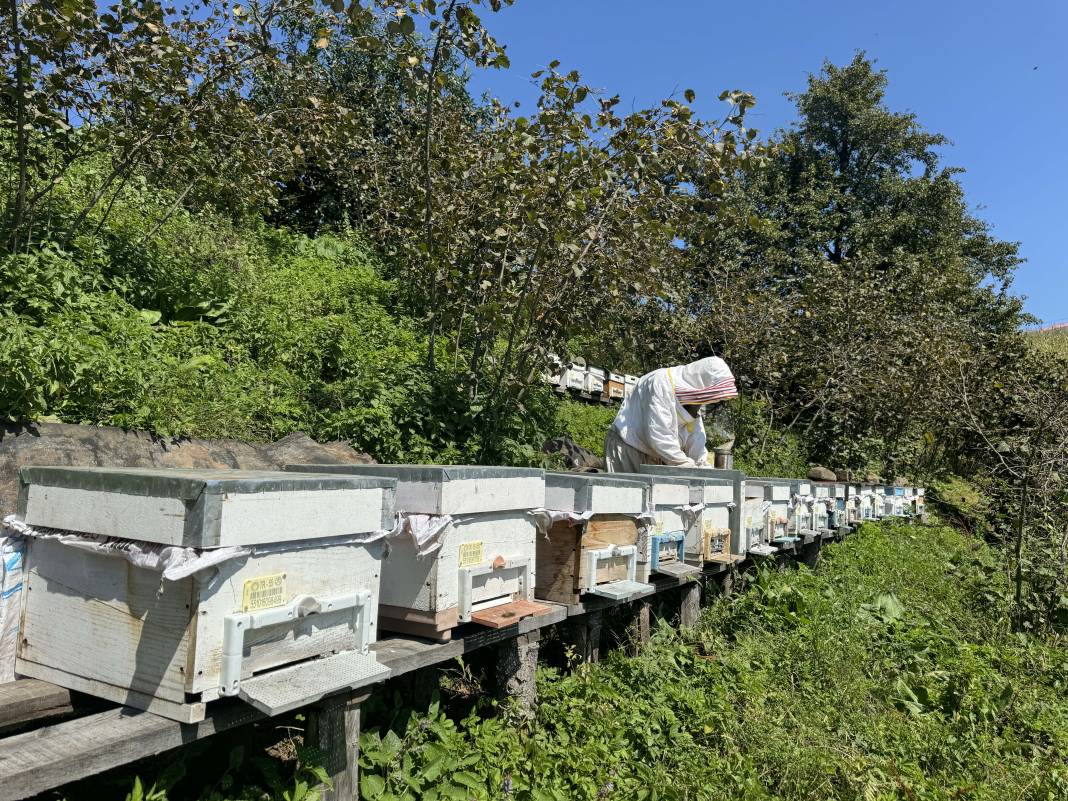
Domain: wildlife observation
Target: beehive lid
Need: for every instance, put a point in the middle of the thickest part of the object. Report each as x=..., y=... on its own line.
x=203, y=508
x=594, y=492
x=664, y=490
x=452, y=489
x=776, y=489
x=707, y=485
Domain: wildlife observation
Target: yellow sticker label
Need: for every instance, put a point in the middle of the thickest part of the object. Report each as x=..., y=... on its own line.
x=659, y=527
x=471, y=553
x=263, y=592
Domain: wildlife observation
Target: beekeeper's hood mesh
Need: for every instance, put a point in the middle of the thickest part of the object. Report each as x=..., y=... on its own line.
x=704, y=381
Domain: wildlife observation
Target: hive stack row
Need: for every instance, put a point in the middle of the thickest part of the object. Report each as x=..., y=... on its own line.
x=578, y=378
x=168, y=589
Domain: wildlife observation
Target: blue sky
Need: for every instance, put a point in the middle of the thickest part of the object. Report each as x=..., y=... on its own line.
x=967, y=69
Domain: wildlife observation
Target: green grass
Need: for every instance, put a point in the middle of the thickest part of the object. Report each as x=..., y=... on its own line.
x=889, y=674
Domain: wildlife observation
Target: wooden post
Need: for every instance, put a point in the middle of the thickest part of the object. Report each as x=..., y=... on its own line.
x=517, y=664
x=640, y=628
x=810, y=554
x=726, y=582
x=690, y=607
x=586, y=635
x=334, y=729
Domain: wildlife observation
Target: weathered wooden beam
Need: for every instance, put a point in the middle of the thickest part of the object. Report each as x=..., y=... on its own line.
x=641, y=628
x=586, y=636
x=39, y=760
x=516, y=669
x=26, y=700
x=334, y=729
x=690, y=606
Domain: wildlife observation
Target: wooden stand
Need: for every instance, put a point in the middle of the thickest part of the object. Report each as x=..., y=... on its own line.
x=810, y=553
x=586, y=636
x=641, y=628
x=517, y=664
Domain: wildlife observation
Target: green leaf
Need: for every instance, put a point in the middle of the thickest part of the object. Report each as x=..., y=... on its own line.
x=372, y=786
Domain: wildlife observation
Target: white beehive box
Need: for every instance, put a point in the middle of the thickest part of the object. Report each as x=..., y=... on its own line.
x=484, y=570
x=779, y=494
x=756, y=526
x=589, y=543
x=297, y=579
x=575, y=376
x=839, y=516
x=718, y=536
x=629, y=382
x=555, y=372
x=662, y=543
x=802, y=511
x=595, y=378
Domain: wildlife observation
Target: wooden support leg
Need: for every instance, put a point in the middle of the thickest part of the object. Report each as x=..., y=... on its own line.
x=334, y=729
x=690, y=608
x=726, y=582
x=810, y=554
x=586, y=635
x=517, y=664
x=641, y=627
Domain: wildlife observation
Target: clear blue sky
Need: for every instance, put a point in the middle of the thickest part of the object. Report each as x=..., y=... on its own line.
x=967, y=69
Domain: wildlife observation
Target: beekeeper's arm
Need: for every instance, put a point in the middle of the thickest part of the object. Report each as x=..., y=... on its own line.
x=697, y=445
x=661, y=427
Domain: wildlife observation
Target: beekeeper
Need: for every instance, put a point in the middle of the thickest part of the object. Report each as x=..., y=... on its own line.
x=661, y=422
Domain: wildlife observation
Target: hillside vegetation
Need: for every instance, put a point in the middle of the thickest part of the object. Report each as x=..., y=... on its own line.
x=244, y=220
x=891, y=673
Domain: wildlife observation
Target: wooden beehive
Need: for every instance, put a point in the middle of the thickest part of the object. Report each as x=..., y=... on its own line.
x=717, y=537
x=593, y=547
x=484, y=570
x=297, y=579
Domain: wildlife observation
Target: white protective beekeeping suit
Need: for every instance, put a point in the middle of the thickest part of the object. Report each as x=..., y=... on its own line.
x=652, y=426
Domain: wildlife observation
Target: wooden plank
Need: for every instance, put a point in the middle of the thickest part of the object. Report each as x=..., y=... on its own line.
x=601, y=532
x=39, y=760
x=25, y=700
x=499, y=617
x=557, y=564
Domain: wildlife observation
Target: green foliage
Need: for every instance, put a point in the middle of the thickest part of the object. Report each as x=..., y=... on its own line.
x=963, y=503
x=585, y=423
x=891, y=673
x=762, y=448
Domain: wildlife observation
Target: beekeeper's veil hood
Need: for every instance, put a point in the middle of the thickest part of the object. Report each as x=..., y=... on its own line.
x=704, y=381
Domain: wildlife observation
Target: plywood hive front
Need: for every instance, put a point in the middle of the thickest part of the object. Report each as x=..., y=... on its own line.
x=614, y=506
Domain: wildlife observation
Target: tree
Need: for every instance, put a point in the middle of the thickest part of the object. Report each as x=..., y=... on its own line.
x=858, y=270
